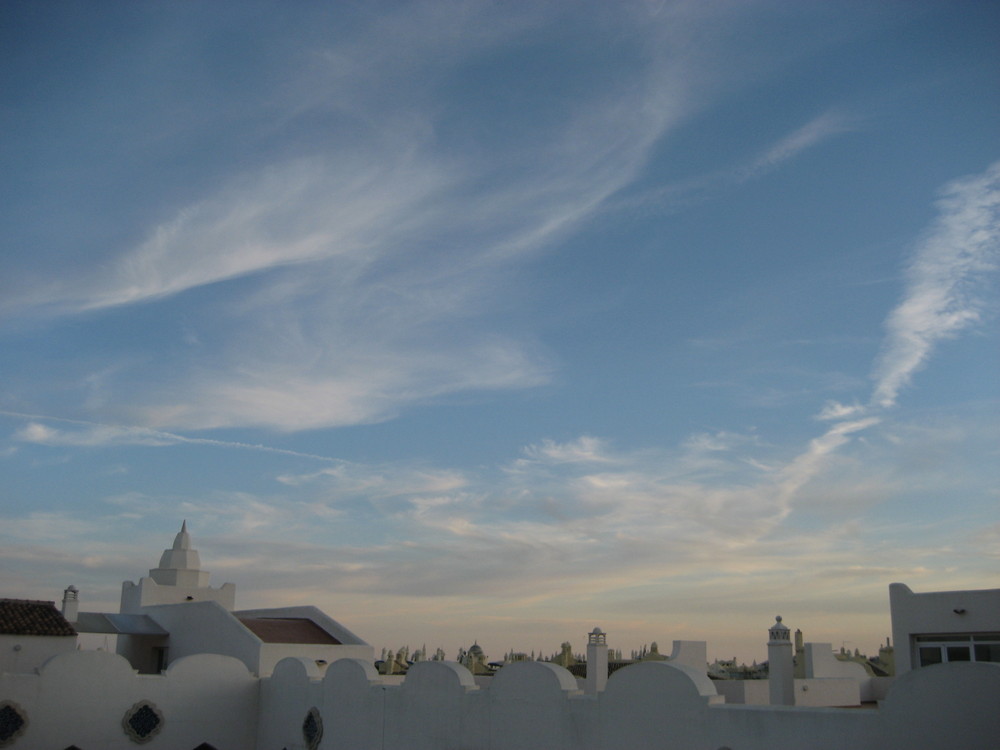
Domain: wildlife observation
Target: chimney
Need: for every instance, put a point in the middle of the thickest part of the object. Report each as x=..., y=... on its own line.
x=71, y=604
x=597, y=662
x=781, y=676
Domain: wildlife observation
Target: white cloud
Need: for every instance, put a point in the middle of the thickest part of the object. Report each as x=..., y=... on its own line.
x=944, y=281
x=835, y=410
x=356, y=280
x=49, y=526
x=352, y=385
x=91, y=436
x=691, y=191
x=584, y=449
x=807, y=465
x=812, y=133
x=84, y=434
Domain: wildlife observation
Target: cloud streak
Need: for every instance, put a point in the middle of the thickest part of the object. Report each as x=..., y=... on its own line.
x=944, y=281
x=359, y=277
x=93, y=435
x=814, y=132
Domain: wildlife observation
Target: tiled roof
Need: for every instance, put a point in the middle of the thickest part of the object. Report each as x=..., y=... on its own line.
x=288, y=630
x=28, y=617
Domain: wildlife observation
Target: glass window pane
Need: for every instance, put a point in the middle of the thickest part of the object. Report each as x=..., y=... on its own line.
x=988, y=652
x=929, y=655
x=959, y=653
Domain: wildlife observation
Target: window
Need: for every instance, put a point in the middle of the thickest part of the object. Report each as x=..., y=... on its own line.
x=12, y=722
x=142, y=722
x=987, y=652
x=959, y=653
x=937, y=649
x=312, y=728
x=930, y=655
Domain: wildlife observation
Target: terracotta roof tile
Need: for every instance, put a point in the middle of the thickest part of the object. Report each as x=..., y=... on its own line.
x=288, y=630
x=28, y=617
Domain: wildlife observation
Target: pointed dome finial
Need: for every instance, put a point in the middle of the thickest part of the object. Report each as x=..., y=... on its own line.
x=183, y=539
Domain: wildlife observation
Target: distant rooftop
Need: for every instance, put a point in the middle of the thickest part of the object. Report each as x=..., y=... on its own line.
x=30, y=617
x=288, y=630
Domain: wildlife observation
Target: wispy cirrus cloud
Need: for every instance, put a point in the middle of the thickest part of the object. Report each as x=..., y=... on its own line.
x=944, y=281
x=585, y=448
x=682, y=194
x=84, y=434
x=833, y=410
x=825, y=126
x=353, y=281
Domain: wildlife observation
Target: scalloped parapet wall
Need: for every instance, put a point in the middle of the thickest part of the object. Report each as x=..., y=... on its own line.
x=79, y=698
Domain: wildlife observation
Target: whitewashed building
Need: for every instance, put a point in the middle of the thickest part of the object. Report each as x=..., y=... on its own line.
x=944, y=626
x=273, y=680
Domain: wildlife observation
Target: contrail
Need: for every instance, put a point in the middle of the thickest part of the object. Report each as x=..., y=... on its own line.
x=124, y=432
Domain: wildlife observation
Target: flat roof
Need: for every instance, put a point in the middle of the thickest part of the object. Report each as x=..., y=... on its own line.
x=117, y=624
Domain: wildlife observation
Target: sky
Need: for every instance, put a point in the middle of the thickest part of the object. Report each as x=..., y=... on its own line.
x=495, y=322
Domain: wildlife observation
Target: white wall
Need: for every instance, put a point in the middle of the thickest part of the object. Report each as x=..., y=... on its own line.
x=828, y=691
x=744, y=692
x=978, y=611
x=272, y=653
x=205, y=628
x=24, y=653
x=693, y=654
x=80, y=698
x=651, y=705
x=208, y=628
x=821, y=662
x=148, y=593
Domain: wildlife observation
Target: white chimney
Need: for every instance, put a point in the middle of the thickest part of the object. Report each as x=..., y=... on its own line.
x=71, y=604
x=781, y=674
x=597, y=662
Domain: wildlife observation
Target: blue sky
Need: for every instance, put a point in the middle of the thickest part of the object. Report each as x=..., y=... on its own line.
x=478, y=321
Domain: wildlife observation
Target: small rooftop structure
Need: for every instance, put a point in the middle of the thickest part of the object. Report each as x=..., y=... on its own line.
x=179, y=578
x=943, y=626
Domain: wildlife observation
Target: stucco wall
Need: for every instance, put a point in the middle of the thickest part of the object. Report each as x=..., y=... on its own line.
x=938, y=612
x=24, y=653
x=148, y=593
x=206, y=628
x=651, y=705
x=744, y=692
x=80, y=698
x=272, y=653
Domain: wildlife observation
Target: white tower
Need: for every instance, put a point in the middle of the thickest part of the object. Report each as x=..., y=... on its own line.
x=71, y=604
x=597, y=661
x=179, y=578
x=781, y=674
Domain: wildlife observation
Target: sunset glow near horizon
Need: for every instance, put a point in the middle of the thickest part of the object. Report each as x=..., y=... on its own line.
x=498, y=322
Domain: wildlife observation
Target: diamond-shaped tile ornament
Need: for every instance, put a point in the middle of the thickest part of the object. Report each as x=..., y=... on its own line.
x=142, y=722
x=312, y=728
x=13, y=722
